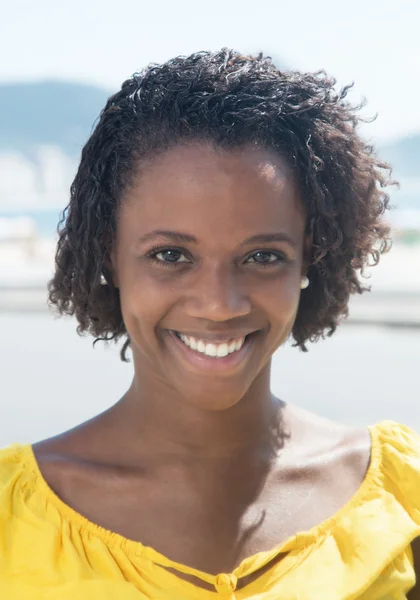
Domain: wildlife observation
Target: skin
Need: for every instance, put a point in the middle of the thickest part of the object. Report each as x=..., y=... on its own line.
x=199, y=460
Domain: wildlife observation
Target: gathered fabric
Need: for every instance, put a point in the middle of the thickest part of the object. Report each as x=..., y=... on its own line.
x=363, y=552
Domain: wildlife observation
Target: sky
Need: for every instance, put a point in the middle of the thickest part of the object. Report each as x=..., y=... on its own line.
x=375, y=43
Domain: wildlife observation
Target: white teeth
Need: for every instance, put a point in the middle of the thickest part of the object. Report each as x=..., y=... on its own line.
x=232, y=347
x=222, y=350
x=214, y=350
x=193, y=343
x=238, y=344
x=185, y=339
x=211, y=350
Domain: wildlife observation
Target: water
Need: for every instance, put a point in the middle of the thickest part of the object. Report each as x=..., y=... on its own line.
x=46, y=221
x=52, y=380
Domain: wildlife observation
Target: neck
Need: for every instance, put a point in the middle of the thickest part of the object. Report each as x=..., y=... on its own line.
x=165, y=422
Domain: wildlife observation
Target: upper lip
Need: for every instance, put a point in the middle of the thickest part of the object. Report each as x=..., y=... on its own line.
x=217, y=338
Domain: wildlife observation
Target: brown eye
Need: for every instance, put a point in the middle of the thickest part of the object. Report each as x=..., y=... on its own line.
x=265, y=257
x=169, y=256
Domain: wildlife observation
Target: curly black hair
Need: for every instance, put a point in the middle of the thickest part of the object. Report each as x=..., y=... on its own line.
x=230, y=100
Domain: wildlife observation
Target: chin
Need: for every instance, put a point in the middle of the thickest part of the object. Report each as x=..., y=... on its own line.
x=212, y=395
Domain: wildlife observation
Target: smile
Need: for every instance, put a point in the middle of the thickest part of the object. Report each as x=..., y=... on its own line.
x=210, y=348
x=211, y=356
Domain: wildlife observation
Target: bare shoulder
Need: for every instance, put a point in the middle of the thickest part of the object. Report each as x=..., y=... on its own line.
x=88, y=442
x=348, y=447
x=71, y=459
x=333, y=458
x=60, y=466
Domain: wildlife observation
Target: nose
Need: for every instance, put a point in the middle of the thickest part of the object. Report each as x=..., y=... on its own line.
x=217, y=295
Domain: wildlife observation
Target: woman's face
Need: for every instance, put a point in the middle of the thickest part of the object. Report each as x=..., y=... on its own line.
x=208, y=259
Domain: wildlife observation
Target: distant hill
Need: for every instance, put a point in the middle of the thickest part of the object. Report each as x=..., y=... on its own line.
x=48, y=113
x=43, y=126
x=404, y=156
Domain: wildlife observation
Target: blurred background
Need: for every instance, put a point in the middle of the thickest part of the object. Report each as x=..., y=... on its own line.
x=61, y=60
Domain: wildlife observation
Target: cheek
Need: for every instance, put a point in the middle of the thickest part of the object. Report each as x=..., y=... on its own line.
x=280, y=302
x=143, y=305
x=280, y=297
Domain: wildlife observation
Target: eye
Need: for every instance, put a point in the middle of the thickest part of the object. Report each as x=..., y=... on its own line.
x=168, y=255
x=265, y=257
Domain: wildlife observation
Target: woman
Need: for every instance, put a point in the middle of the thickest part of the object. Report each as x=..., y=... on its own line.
x=221, y=206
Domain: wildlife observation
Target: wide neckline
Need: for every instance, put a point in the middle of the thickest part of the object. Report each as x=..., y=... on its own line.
x=299, y=541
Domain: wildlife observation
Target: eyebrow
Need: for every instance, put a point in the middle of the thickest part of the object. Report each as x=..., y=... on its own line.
x=262, y=238
x=173, y=236
x=177, y=236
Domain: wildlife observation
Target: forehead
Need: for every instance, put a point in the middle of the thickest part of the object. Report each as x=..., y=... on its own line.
x=201, y=187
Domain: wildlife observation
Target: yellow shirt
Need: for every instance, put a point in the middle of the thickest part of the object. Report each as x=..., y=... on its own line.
x=48, y=551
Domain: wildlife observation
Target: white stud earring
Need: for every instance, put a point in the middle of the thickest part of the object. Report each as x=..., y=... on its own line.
x=304, y=282
x=103, y=280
